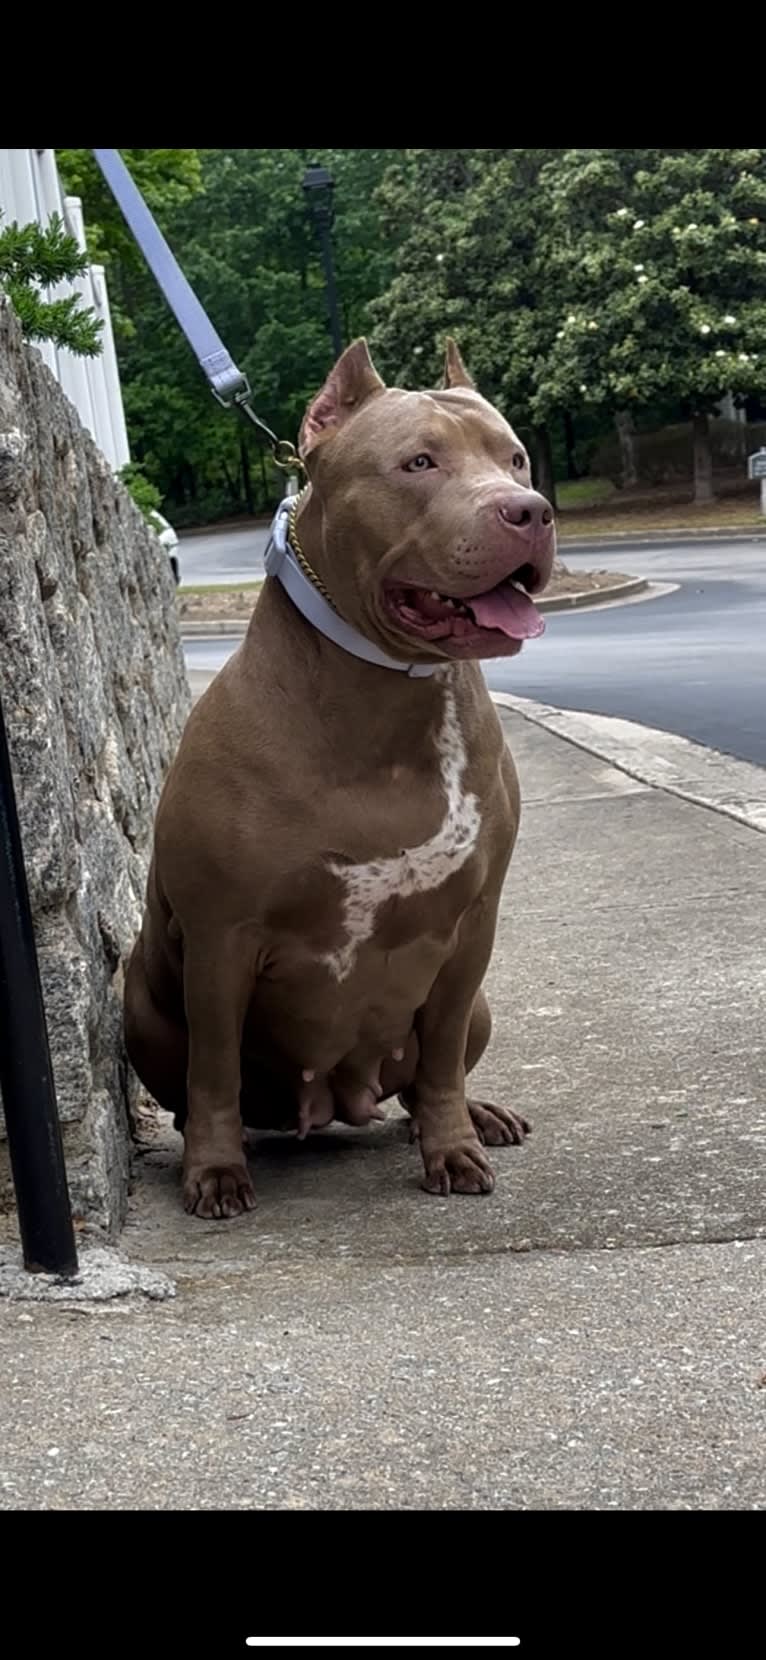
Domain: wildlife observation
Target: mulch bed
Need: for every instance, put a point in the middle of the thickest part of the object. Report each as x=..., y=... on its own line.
x=236, y=604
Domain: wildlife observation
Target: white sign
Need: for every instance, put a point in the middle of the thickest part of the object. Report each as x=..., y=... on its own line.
x=756, y=464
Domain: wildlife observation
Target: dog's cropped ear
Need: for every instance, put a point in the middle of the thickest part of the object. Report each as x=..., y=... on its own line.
x=349, y=384
x=455, y=372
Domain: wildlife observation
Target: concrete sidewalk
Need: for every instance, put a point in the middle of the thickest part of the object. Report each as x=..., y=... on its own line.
x=593, y=1335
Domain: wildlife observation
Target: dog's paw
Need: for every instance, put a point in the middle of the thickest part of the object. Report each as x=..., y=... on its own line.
x=462, y=1168
x=498, y=1126
x=214, y=1191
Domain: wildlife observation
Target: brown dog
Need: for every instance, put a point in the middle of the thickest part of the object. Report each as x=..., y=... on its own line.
x=334, y=833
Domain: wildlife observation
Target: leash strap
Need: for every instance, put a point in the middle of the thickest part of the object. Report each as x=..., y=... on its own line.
x=231, y=387
x=279, y=561
x=227, y=383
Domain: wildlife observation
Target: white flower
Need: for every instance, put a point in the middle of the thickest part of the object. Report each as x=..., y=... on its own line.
x=719, y=353
x=743, y=357
x=439, y=259
x=560, y=334
x=643, y=279
x=593, y=325
x=730, y=319
x=417, y=351
x=638, y=224
x=676, y=230
x=691, y=227
x=638, y=267
x=621, y=213
x=704, y=328
x=583, y=388
x=571, y=318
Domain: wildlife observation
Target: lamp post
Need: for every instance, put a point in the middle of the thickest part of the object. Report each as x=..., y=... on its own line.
x=319, y=186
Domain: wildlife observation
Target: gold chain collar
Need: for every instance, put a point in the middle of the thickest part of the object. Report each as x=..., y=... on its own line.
x=294, y=540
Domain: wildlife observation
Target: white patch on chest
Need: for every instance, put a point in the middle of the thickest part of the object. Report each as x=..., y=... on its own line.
x=416, y=869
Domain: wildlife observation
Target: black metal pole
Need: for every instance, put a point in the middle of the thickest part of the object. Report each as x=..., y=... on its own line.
x=26, y=1076
x=332, y=292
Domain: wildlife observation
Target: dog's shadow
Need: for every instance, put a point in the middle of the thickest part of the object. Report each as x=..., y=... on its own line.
x=337, y=1141
x=272, y=1154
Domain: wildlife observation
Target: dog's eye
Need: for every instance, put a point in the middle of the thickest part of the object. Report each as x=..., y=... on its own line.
x=519, y=460
x=419, y=464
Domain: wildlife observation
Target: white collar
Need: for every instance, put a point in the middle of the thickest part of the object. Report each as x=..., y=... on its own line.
x=280, y=561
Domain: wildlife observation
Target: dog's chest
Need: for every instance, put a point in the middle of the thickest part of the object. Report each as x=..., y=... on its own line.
x=416, y=870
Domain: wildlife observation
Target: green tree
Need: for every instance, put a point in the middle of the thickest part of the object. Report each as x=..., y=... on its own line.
x=662, y=257
x=145, y=494
x=244, y=238
x=33, y=258
x=167, y=179
x=474, y=261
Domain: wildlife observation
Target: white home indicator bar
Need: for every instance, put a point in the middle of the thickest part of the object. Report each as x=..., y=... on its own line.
x=383, y=1642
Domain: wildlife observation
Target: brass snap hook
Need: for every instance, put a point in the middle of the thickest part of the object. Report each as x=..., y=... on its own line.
x=285, y=456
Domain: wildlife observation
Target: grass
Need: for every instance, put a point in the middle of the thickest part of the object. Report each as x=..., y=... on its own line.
x=594, y=507
x=584, y=492
x=187, y=588
x=632, y=520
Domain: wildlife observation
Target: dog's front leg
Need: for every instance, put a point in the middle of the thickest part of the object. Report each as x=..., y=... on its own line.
x=453, y=1156
x=218, y=979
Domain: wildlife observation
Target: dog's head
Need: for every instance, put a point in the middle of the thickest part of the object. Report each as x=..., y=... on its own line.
x=431, y=538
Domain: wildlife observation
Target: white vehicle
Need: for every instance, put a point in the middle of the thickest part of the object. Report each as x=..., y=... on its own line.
x=169, y=540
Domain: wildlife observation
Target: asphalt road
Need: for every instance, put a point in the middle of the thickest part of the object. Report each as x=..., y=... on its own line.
x=223, y=556
x=692, y=661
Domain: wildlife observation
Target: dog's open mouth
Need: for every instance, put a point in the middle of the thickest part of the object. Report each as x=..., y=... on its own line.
x=463, y=620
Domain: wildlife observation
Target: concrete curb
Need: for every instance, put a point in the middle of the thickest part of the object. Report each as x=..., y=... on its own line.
x=654, y=538
x=236, y=628
x=663, y=760
x=715, y=533
x=599, y=596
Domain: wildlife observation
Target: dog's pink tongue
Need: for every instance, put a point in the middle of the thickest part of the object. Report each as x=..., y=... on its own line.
x=510, y=611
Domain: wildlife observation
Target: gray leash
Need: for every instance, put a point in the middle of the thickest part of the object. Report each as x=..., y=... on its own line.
x=231, y=388
x=227, y=383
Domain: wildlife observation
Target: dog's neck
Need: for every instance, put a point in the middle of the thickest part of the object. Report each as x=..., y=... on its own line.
x=286, y=561
x=360, y=717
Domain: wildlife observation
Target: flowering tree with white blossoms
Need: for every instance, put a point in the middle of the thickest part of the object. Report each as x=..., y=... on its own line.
x=663, y=258
x=472, y=260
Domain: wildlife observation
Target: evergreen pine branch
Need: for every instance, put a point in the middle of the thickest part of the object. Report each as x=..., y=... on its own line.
x=34, y=257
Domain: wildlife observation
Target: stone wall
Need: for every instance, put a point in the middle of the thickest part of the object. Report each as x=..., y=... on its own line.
x=95, y=696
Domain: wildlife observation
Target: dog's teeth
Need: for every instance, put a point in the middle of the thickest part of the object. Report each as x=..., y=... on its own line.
x=433, y=594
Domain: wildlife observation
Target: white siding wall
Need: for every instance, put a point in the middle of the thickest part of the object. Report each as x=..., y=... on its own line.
x=30, y=189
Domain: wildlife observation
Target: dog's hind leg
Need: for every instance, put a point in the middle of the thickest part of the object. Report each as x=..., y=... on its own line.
x=157, y=1046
